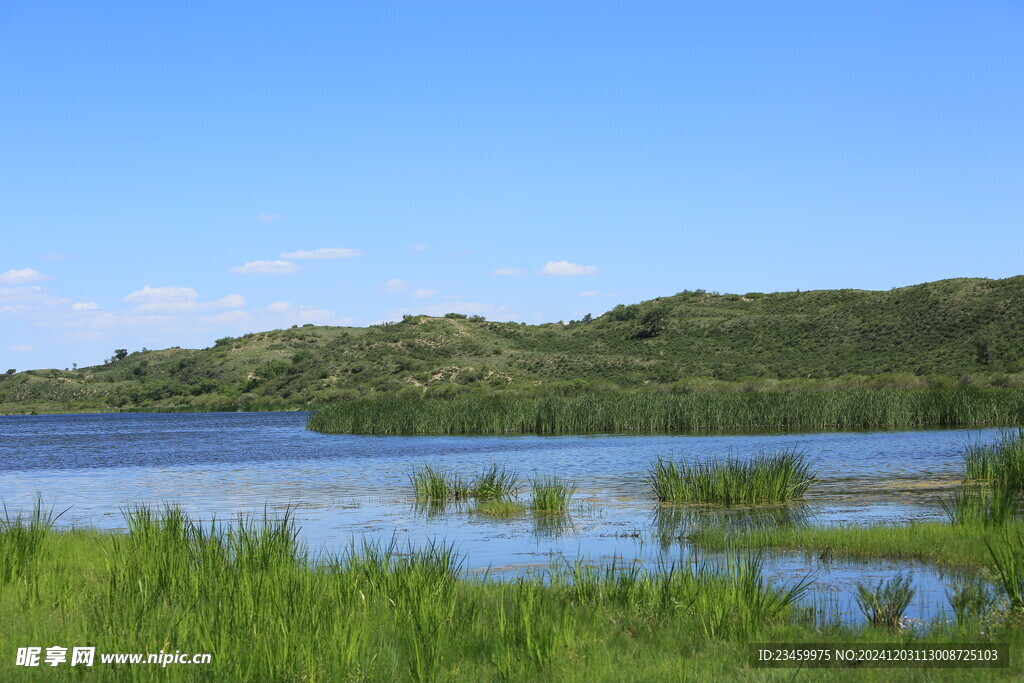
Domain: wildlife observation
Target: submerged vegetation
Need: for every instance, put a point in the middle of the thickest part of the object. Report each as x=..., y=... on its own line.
x=669, y=413
x=765, y=478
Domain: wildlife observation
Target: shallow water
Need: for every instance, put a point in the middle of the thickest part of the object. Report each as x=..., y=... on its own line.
x=345, y=487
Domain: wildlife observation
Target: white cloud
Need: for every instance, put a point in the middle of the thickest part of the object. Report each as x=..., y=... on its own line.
x=266, y=268
x=423, y=293
x=104, y=321
x=418, y=247
x=395, y=285
x=508, y=271
x=22, y=348
x=594, y=292
x=227, y=318
x=13, y=308
x=269, y=217
x=280, y=307
x=325, y=253
x=85, y=306
x=34, y=293
x=19, y=277
x=311, y=314
x=162, y=294
x=567, y=268
x=229, y=301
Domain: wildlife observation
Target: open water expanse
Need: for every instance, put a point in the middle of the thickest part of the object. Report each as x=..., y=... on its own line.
x=346, y=488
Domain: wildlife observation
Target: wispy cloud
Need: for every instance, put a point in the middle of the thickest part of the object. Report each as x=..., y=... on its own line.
x=567, y=268
x=280, y=306
x=229, y=301
x=85, y=306
x=20, y=277
x=423, y=293
x=395, y=285
x=594, y=292
x=269, y=217
x=22, y=348
x=508, y=271
x=266, y=268
x=418, y=247
x=162, y=294
x=326, y=253
x=56, y=255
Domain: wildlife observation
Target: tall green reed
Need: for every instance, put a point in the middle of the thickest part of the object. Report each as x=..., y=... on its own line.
x=765, y=478
x=672, y=413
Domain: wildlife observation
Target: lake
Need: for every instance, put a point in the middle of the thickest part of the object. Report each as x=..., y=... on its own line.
x=345, y=487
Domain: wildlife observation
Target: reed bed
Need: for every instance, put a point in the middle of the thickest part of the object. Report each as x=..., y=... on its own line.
x=765, y=478
x=766, y=411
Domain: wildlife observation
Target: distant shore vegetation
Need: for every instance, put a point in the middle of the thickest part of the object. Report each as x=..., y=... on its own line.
x=961, y=333
x=649, y=413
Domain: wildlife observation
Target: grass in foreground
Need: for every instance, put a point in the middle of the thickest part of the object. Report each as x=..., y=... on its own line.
x=767, y=478
x=251, y=596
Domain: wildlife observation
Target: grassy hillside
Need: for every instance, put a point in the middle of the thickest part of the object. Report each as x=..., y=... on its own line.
x=962, y=331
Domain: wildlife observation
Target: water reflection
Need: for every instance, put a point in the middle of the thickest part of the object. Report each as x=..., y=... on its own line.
x=674, y=523
x=345, y=488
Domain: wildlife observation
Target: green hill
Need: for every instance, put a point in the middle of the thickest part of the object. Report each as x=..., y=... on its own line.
x=959, y=331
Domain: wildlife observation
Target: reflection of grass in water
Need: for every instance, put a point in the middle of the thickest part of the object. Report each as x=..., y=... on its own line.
x=500, y=508
x=551, y=524
x=765, y=478
x=672, y=523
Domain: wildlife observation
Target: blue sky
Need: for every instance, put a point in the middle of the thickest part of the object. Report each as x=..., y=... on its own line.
x=173, y=173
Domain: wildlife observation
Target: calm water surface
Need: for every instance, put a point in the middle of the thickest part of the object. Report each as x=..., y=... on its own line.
x=348, y=487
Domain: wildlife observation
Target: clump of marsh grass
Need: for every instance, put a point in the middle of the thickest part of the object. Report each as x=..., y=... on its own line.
x=1001, y=462
x=495, y=482
x=884, y=604
x=438, y=486
x=729, y=599
x=1007, y=555
x=765, y=478
x=551, y=493
x=22, y=539
x=974, y=504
